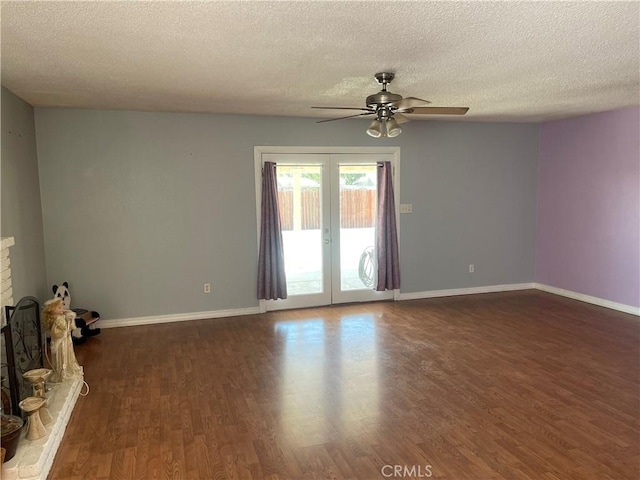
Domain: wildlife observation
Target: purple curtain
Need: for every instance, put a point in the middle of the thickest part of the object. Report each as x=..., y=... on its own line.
x=387, y=233
x=272, y=282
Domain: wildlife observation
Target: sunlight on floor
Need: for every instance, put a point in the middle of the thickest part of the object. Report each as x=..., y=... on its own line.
x=326, y=375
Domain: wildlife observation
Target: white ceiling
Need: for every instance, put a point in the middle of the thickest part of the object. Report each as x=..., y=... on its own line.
x=507, y=61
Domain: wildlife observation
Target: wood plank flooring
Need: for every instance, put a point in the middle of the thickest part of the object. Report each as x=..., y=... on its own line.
x=518, y=385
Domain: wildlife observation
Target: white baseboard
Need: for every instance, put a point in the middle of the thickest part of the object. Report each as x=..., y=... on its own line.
x=183, y=317
x=588, y=299
x=177, y=317
x=466, y=291
x=523, y=286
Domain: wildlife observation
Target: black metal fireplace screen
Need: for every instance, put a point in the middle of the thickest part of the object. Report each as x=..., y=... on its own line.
x=22, y=350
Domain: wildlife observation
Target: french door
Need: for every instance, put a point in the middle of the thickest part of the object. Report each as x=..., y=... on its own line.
x=327, y=205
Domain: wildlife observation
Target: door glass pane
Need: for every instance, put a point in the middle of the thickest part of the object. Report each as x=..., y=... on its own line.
x=357, y=226
x=299, y=200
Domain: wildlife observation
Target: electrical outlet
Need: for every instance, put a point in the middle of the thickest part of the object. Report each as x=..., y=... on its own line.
x=472, y=268
x=207, y=288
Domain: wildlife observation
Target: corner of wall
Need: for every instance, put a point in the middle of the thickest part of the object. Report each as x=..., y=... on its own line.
x=20, y=189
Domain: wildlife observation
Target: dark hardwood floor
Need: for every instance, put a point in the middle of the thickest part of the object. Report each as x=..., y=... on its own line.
x=519, y=385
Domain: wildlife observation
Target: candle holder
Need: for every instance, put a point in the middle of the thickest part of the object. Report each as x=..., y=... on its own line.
x=31, y=406
x=37, y=379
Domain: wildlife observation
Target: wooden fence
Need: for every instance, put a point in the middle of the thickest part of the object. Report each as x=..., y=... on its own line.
x=357, y=209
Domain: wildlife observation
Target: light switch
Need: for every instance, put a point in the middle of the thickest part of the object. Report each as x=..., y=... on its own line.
x=406, y=208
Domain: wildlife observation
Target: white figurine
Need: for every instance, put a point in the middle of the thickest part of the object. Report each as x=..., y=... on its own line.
x=59, y=323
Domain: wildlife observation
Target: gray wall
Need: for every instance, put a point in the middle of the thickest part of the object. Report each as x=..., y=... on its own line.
x=140, y=209
x=21, y=209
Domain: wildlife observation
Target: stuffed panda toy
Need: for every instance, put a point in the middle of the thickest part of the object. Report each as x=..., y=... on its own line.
x=85, y=320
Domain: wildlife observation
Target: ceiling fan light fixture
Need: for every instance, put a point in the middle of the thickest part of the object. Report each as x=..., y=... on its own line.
x=393, y=129
x=375, y=129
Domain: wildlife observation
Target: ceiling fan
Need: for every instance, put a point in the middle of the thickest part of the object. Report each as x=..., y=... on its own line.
x=389, y=109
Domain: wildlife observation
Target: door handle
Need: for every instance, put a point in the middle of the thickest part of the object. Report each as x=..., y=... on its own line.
x=326, y=241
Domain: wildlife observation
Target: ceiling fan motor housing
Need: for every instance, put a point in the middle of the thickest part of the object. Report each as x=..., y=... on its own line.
x=382, y=98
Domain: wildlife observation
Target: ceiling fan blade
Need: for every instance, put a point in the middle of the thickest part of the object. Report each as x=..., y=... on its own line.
x=348, y=116
x=343, y=108
x=401, y=118
x=437, y=110
x=409, y=102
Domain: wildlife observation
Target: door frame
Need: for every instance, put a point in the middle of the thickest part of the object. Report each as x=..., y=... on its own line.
x=259, y=151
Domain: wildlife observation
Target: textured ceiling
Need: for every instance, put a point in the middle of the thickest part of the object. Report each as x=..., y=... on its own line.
x=507, y=61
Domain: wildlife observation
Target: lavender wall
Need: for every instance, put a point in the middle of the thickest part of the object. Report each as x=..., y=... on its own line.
x=588, y=223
